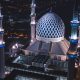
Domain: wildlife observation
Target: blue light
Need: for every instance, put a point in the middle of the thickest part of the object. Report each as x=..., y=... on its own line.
x=73, y=41
x=2, y=46
x=74, y=25
x=75, y=21
x=2, y=32
x=72, y=56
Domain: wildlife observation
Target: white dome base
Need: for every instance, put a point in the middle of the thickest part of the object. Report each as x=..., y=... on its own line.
x=48, y=40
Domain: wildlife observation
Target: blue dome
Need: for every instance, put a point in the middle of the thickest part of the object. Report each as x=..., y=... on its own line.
x=50, y=27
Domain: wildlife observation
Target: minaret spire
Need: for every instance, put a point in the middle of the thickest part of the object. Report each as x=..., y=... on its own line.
x=33, y=21
x=75, y=22
x=72, y=52
x=2, y=66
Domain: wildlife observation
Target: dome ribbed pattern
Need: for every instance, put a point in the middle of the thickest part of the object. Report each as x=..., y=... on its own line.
x=50, y=26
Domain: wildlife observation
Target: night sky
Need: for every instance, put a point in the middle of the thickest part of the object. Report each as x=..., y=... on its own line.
x=17, y=10
x=16, y=20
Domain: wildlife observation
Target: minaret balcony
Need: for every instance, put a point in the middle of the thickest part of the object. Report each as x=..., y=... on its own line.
x=1, y=31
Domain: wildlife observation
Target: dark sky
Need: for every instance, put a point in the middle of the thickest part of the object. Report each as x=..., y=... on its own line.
x=20, y=10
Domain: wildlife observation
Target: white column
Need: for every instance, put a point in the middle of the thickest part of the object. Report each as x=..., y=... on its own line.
x=33, y=22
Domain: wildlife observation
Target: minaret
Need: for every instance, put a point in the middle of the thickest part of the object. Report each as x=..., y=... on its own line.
x=79, y=27
x=2, y=68
x=72, y=52
x=79, y=37
x=33, y=22
x=78, y=47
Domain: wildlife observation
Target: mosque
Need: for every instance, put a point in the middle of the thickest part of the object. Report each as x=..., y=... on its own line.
x=47, y=35
x=48, y=49
x=48, y=44
x=49, y=38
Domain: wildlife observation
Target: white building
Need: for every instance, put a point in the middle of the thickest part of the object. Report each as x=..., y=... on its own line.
x=50, y=40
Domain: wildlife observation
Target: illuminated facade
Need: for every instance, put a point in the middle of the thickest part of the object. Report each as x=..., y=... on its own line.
x=72, y=52
x=50, y=39
x=74, y=34
x=50, y=27
x=50, y=46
